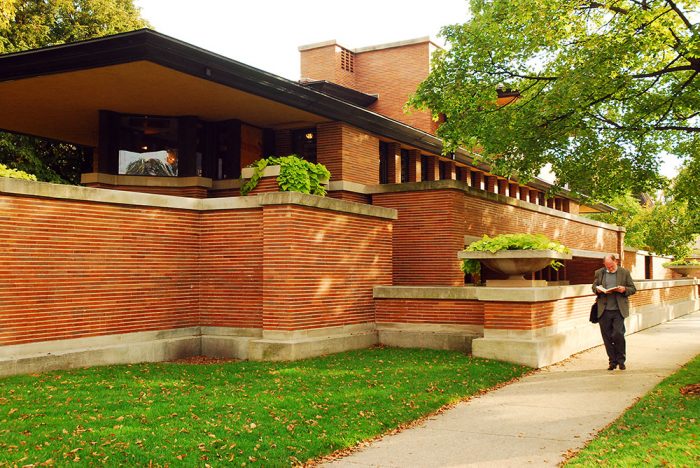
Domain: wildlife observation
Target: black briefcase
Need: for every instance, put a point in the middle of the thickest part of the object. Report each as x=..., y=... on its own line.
x=594, y=313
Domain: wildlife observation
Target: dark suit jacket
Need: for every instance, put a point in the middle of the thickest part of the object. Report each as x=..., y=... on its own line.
x=623, y=279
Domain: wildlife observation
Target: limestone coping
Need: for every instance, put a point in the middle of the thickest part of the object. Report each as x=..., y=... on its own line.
x=502, y=294
x=269, y=171
x=144, y=181
x=302, y=199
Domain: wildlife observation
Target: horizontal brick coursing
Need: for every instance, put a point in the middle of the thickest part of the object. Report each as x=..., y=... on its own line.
x=72, y=269
x=432, y=224
x=427, y=236
x=350, y=196
x=75, y=269
x=319, y=271
x=230, y=263
x=430, y=311
x=348, y=153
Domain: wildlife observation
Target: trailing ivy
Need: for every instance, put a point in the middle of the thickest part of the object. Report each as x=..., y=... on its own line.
x=15, y=173
x=511, y=242
x=296, y=175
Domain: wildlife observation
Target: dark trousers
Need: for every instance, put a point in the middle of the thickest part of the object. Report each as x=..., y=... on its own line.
x=612, y=327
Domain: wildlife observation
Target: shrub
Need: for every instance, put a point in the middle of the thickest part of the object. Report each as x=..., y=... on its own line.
x=15, y=173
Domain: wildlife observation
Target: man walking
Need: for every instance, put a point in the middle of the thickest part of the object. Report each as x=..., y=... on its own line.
x=613, y=285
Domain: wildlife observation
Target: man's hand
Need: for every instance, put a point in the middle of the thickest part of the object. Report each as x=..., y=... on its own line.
x=621, y=289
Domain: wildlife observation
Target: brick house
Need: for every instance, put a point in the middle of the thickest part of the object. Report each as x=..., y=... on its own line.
x=157, y=256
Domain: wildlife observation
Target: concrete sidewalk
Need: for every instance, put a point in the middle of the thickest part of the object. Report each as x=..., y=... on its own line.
x=536, y=420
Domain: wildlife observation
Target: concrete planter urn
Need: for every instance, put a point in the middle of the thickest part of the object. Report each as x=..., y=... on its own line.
x=685, y=271
x=515, y=264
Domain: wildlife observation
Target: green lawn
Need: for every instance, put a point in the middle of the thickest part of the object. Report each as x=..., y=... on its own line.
x=245, y=413
x=662, y=429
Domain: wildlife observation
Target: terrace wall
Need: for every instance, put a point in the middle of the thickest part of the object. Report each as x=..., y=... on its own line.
x=435, y=216
x=108, y=276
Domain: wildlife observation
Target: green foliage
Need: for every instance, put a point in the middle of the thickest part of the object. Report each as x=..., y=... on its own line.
x=30, y=24
x=14, y=173
x=661, y=429
x=511, y=242
x=254, y=413
x=605, y=88
x=296, y=175
x=666, y=228
x=630, y=214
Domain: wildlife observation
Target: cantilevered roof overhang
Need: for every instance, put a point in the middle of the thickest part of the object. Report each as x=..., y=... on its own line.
x=56, y=92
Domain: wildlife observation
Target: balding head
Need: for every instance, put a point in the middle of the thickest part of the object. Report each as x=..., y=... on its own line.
x=610, y=262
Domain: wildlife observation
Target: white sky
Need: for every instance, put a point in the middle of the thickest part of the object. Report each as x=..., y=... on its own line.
x=266, y=33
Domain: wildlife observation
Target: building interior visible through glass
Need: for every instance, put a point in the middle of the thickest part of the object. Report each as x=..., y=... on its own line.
x=148, y=146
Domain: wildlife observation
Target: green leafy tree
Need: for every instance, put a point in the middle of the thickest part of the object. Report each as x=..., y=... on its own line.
x=29, y=24
x=605, y=88
x=666, y=227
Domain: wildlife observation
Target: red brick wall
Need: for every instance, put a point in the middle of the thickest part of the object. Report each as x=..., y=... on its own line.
x=75, y=269
x=350, y=196
x=230, y=262
x=72, y=269
x=348, y=153
x=432, y=223
x=323, y=63
x=319, y=270
x=441, y=311
x=394, y=74
x=427, y=236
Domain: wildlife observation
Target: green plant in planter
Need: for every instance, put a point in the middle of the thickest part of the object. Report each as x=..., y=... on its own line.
x=296, y=175
x=511, y=242
x=682, y=262
x=15, y=173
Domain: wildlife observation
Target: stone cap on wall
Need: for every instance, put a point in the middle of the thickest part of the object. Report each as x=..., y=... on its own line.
x=296, y=198
x=501, y=294
x=144, y=181
x=32, y=188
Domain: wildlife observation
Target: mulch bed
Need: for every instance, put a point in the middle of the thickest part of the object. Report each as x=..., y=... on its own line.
x=692, y=389
x=203, y=360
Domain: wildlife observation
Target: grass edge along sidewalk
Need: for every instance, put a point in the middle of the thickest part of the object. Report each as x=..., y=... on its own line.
x=243, y=413
x=659, y=429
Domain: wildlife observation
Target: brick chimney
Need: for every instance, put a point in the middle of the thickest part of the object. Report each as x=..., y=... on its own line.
x=391, y=71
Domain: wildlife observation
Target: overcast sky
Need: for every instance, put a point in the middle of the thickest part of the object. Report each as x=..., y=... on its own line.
x=267, y=33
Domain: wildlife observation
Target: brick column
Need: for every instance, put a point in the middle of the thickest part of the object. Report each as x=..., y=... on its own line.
x=535, y=197
x=451, y=172
x=514, y=191
x=503, y=188
x=414, y=166
x=524, y=194
x=491, y=183
x=433, y=168
x=394, y=163
x=478, y=180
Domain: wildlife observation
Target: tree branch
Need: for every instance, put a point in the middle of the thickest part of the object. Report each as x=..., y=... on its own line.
x=665, y=70
x=680, y=14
